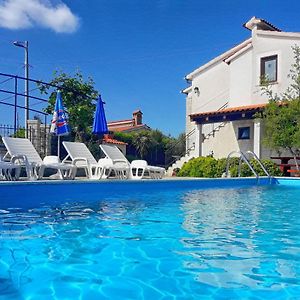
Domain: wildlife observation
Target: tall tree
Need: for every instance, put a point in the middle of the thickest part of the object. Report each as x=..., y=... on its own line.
x=78, y=96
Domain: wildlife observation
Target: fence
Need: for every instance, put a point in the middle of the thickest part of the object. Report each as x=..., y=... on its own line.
x=37, y=130
x=8, y=130
x=37, y=133
x=35, y=102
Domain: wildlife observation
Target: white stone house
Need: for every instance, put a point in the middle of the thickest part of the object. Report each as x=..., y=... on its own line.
x=225, y=93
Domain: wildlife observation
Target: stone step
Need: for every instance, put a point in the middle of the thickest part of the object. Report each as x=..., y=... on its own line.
x=178, y=164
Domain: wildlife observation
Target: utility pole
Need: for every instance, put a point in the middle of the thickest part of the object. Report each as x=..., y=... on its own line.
x=26, y=88
x=26, y=64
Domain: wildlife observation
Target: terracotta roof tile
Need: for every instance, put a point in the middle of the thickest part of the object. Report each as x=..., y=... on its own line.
x=122, y=128
x=120, y=121
x=125, y=128
x=113, y=141
x=229, y=110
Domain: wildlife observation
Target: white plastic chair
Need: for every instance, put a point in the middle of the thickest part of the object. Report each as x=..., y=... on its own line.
x=81, y=157
x=9, y=171
x=22, y=152
x=138, y=169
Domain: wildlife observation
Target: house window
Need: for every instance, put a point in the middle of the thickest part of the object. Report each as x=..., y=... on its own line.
x=268, y=68
x=244, y=133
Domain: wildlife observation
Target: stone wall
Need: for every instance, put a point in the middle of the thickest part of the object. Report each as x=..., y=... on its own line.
x=39, y=135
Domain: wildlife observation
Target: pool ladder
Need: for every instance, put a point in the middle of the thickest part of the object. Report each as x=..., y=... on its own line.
x=246, y=160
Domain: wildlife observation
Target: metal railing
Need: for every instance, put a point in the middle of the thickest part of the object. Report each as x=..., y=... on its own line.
x=7, y=130
x=225, y=105
x=171, y=159
x=171, y=156
x=212, y=133
x=244, y=158
x=10, y=87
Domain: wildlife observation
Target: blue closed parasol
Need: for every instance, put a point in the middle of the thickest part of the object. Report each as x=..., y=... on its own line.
x=100, y=124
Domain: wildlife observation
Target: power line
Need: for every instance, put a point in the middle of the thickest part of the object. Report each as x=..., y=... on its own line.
x=6, y=80
x=10, y=97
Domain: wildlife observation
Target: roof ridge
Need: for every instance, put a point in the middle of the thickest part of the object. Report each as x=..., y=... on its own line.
x=220, y=57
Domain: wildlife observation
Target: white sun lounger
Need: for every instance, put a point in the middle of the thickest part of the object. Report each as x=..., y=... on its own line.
x=22, y=152
x=119, y=161
x=139, y=169
x=81, y=157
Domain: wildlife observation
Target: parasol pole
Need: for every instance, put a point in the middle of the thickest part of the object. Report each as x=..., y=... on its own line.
x=58, y=148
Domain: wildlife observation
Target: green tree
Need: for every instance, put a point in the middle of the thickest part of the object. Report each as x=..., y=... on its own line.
x=143, y=142
x=78, y=96
x=175, y=147
x=152, y=145
x=124, y=137
x=282, y=114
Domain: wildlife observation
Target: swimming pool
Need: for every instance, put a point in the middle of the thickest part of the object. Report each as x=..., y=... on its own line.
x=191, y=239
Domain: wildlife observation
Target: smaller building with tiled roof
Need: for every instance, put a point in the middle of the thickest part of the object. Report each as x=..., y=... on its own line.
x=129, y=125
x=108, y=139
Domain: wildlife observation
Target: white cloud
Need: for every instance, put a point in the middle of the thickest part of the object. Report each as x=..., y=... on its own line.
x=19, y=14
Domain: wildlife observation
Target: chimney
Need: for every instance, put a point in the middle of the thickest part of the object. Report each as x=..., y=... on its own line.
x=260, y=24
x=137, y=117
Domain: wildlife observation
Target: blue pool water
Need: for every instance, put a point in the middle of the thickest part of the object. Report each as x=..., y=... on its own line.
x=167, y=243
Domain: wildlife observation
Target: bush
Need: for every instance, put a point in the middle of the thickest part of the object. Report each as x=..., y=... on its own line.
x=233, y=165
x=270, y=166
x=210, y=167
x=199, y=167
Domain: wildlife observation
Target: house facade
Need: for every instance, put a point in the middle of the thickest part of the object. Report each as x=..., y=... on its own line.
x=224, y=94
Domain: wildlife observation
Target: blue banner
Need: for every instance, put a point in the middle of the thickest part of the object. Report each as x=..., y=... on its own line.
x=59, y=124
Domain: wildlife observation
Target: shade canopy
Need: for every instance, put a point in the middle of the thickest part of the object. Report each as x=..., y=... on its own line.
x=100, y=124
x=59, y=124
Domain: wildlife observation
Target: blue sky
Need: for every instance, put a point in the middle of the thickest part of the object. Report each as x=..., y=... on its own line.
x=137, y=51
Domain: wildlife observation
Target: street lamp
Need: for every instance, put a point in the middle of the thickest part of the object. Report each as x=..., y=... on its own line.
x=25, y=46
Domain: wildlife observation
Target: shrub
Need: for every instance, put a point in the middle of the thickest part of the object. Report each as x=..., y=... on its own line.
x=233, y=166
x=270, y=166
x=210, y=167
x=192, y=168
x=200, y=167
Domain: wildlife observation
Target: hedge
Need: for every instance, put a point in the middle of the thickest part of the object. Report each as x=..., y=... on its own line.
x=210, y=167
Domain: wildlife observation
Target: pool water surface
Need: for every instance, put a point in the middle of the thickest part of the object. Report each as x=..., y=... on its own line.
x=240, y=243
